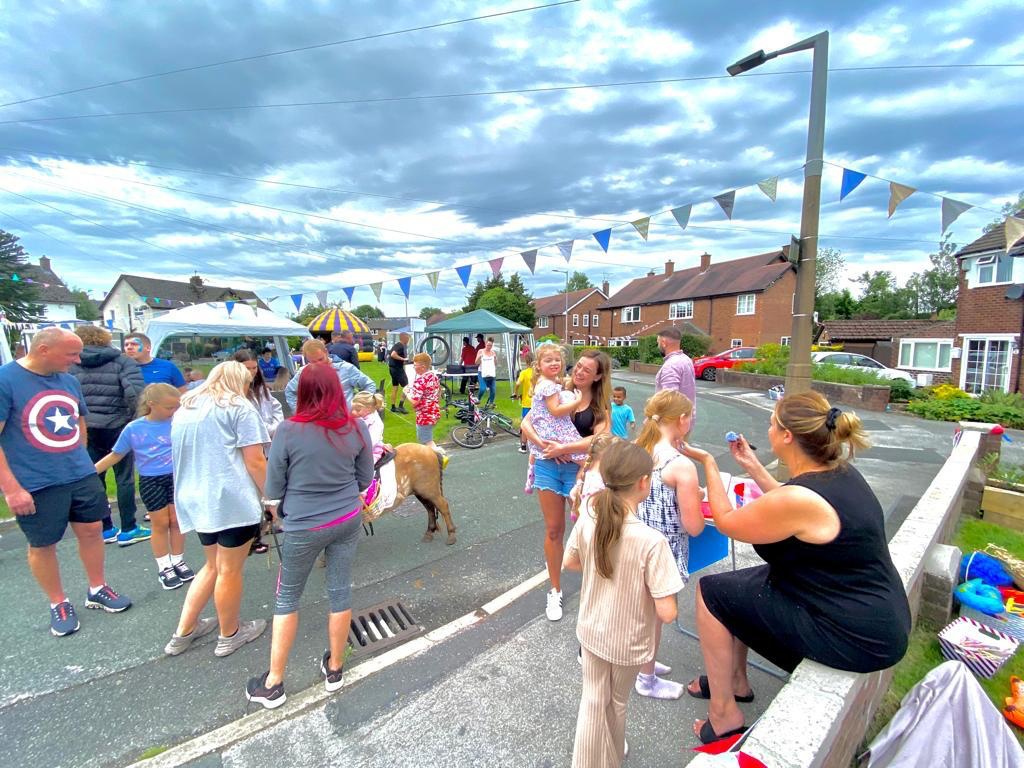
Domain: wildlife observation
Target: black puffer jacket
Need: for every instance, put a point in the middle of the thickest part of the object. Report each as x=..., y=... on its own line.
x=111, y=383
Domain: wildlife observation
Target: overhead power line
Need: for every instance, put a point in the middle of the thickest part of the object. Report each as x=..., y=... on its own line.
x=287, y=51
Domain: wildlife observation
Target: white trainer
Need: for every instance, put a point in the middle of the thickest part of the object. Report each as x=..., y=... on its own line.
x=554, y=609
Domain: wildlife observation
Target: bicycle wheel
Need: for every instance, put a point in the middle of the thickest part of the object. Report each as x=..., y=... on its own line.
x=504, y=423
x=468, y=437
x=438, y=349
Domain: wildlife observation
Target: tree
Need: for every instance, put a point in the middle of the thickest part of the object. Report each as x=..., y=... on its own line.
x=828, y=271
x=513, y=306
x=494, y=281
x=19, y=300
x=937, y=288
x=883, y=299
x=367, y=312
x=84, y=308
x=307, y=313
x=578, y=282
x=1009, y=209
x=836, y=305
x=427, y=312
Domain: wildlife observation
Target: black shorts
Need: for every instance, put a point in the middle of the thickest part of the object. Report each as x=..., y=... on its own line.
x=398, y=377
x=83, y=501
x=157, y=491
x=230, y=538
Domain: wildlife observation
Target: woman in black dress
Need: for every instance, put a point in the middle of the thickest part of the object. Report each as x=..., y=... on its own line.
x=829, y=591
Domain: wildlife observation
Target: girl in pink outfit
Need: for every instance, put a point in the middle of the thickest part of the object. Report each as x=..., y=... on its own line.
x=367, y=407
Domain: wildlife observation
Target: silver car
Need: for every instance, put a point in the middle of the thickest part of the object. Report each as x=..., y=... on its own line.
x=860, y=362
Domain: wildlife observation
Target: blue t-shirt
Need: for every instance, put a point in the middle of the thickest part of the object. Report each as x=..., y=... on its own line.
x=622, y=417
x=42, y=438
x=160, y=371
x=268, y=368
x=150, y=441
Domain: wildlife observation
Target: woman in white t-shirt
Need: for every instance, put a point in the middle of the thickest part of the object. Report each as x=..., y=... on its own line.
x=217, y=440
x=487, y=359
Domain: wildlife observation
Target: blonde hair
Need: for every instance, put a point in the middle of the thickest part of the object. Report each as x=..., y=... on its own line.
x=153, y=393
x=597, y=447
x=546, y=350
x=423, y=358
x=310, y=344
x=623, y=465
x=370, y=401
x=93, y=335
x=227, y=384
x=665, y=405
x=820, y=430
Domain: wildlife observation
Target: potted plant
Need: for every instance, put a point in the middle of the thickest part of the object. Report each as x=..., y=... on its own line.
x=1003, y=498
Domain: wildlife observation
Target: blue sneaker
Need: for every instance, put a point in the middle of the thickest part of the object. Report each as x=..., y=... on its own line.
x=110, y=535
x=138, y=533
x=63, y=620
x=107, y=600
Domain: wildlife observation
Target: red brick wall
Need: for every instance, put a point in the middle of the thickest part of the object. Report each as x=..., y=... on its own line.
x=987, y=310
x=558, y=322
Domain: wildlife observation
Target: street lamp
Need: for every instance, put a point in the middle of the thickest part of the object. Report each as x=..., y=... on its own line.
x=798, y=372
x=565, y=314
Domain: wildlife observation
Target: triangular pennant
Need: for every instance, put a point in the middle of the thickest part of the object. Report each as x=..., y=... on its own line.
x=530, y=259
x=321, y=299
x=642, y=226
x=463, y=273
x=375, y=287
x=271, y=299
x=157, y=301
x=726, y=201
x=144, y=298
x=682, y=215
x=1014, y=229
x=496, y=265
x=851, y=180
x=897, y=194
x=432, y=277
x=349, y=292
x=15, y=278
x=405, y=283
x=566, y=249
x=603, y=238
x=770, y=187
x=230, y=305
x=951, y=210
x=296, y=300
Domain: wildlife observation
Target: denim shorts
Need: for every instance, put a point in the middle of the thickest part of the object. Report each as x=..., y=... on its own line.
x=549, y=475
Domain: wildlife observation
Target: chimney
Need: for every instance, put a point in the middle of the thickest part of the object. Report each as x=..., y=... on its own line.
x=669, y=266
x=651, y=273
x=705, y=261
x=605, y=288
x=44, y=263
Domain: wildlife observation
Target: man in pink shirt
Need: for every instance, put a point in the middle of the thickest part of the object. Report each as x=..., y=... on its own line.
x=677, y=370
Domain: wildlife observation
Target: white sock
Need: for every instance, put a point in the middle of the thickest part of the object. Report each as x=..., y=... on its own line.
x=177, y=559
x=94, y=590
x=163, y=563
x=54, y=605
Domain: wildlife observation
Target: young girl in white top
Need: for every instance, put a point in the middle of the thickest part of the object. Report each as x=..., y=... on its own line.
x=629, y=588
x=589, y=480
x=672, y=508
x=367, y=407
x=487, y=359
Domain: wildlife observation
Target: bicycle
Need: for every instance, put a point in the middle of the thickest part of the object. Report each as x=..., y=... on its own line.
x=479, y=425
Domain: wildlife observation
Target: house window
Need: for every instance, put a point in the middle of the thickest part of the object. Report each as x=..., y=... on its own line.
x=631, y=314
x=586, y=321
x=578, y=342
x=543, y=322
x=593, y=321
x=575, y=321
x=745, y=304
x=987, y=365
x=785, y=341
x=995, y=268
x=681, y=310
x=736, y=343
x=926, y=354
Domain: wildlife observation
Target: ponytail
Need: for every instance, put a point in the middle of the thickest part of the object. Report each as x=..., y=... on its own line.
x=611, y=511
x=622, y=467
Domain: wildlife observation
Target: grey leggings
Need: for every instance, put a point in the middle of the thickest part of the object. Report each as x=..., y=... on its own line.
x=299, y=551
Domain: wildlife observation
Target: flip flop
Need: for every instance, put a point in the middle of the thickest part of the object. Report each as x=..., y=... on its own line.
x=707, y=734
x=705, y=691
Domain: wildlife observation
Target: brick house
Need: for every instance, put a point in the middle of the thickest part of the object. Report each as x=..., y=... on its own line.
x=916, y=346
x=573, y=316
x=989, y=316
x=744, y=302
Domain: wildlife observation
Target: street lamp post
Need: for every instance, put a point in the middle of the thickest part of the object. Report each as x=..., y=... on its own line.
x=565, y=314
x=798, y=372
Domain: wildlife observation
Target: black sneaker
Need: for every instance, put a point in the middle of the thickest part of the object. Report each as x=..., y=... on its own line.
x=63, y=620
x=394, y=409
x=401, y=408
x=184, y=572
x=271, y=698
x=332, y=677
x=169, y=579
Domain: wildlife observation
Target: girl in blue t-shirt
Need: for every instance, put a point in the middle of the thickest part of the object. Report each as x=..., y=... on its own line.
x=149, y=438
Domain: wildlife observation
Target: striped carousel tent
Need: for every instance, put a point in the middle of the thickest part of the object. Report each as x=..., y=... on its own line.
x=337, y=320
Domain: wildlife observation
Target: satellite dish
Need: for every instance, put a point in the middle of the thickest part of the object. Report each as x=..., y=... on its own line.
x=1015, y=292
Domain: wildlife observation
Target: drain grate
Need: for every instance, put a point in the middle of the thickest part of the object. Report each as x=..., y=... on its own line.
x=381, y=626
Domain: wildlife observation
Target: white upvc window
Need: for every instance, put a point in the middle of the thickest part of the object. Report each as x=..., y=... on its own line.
x=544, y=322
x=926, y=354
x=736, y=343
x=785, y=341
x=593, y=320
x=575, y=321
x=631, y=314
x=681, y=310
x=578, y=342
x=994, y=268
x=586, y=320
x=745, y=304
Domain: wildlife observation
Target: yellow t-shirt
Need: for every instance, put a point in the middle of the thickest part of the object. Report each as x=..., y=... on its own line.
x=525, y=385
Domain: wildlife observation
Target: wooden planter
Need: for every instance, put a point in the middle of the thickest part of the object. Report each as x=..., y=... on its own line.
x=1004, y=506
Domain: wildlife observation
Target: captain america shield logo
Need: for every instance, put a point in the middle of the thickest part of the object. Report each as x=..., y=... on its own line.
x=50, y=422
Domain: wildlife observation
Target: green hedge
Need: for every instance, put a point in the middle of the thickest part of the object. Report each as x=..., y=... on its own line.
x=961, y=409
x=621, y=354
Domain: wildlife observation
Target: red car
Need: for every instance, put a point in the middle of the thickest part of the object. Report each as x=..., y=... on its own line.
x=707, y=367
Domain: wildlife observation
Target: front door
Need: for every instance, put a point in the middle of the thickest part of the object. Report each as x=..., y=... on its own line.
x=987, y=365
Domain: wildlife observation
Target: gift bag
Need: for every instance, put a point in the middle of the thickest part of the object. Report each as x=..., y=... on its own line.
x=983, y=649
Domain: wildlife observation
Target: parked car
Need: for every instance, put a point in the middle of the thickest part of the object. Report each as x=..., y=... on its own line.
x=707, y=367
x=860, y=362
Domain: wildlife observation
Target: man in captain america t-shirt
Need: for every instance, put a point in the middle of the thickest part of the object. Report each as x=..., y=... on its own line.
x=46, y=475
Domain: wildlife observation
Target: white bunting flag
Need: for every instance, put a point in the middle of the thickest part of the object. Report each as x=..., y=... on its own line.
x=432, y=277
x=682, y=215
x=566, y=249
x=642, y=226
x=530, y=259
x=770, y=187
x=951, y=210
x=1014, y=228
x=321, y=297
x=375, y=287
x=897, y=194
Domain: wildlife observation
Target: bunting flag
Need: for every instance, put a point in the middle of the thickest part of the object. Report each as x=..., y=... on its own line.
x=375, y=287
x=566, y=249
x=603, y=238
x=851, y=180
x=530, y=259
x=682, y=215
x=432, y=277
x=726, y=201
x=496, y=265
x=296, y=300
x=230, y=305
x=144, y=299
x=463, y=273
x=321, y=297
x=405, y=283
x=951, y=210
x=1014, y=229
x=642, y=226
x=349, y=292
x=770, y=187
x=15, y=278
x=897, y=194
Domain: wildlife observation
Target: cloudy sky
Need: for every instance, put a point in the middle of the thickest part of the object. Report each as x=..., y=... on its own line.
x=388, y=186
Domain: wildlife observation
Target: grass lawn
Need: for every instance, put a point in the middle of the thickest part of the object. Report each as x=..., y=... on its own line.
x=923, y=654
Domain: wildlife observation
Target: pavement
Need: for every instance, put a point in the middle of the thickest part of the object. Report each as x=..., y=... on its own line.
x=503, y=691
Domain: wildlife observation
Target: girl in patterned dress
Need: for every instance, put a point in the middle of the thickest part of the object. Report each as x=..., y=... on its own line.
x=672, y=508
